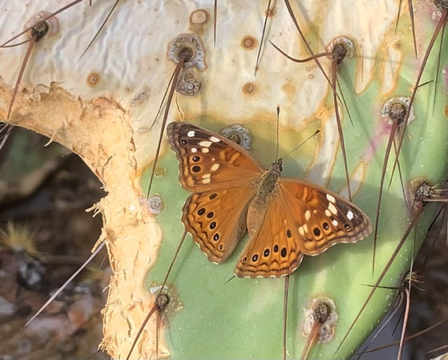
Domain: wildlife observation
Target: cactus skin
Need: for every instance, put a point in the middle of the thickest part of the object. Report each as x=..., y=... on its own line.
x=108, y=127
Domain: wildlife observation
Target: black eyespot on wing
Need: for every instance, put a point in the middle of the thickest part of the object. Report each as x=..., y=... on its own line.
x=316, y=231
x=196, y=169
x=210, y=214
x=216, y=237
x=213, y=196
x=212, y=225
x=255, y=257
x=325, y=226
x=195, y=158
x=284, y=252
x=201, y=211
x=183, y=142
x=276, y=248
x=266, y=252
x=288, y=233
x=347, y=226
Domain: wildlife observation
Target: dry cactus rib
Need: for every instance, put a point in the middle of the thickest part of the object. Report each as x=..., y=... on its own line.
x=98, y=131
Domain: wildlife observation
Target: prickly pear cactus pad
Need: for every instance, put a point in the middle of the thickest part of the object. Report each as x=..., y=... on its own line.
x=101, y=100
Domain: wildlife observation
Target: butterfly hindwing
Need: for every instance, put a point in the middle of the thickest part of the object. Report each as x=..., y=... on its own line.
x=322, y=218
x=217, y=220
x=273, y=249
x=209, y=161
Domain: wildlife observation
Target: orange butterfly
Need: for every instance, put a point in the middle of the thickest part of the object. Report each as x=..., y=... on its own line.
x=285, y=217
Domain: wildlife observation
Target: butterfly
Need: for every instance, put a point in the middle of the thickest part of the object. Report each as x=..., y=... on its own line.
x=286, y=218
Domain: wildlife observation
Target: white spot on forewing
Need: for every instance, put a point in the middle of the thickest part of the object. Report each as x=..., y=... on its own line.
x=301, y=231
x=327, y=213
x=214, y=139
x=194, y=150
x=307, y=215
x=331, y=198
x=350, y=215
x=206, y=176
x=214, y=167
x=205, y=144
x=332, y=208
x=335, y=223
x=305, y=227
x=205, y=150
x=191, y=133
x=206, y=181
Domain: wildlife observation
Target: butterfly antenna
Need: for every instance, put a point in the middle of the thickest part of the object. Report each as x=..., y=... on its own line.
x=257, y=62
x=439, y=26
x=165, y=117
x=303, y=142
x=285, y=316
x=101, y=28
x=420, y=207
x=49, y=16
x=215, y=21
x=278, y=132
x=44, y=306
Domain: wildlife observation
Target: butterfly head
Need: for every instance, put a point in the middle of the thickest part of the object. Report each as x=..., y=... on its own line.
x=277, y=167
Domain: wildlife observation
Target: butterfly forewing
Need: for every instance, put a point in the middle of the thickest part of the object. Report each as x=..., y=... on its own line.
x=209, y=161
x=223, y=177
x=321, y=217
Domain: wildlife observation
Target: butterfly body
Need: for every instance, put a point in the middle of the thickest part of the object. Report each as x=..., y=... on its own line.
x=286, y=218
x=266, y=188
